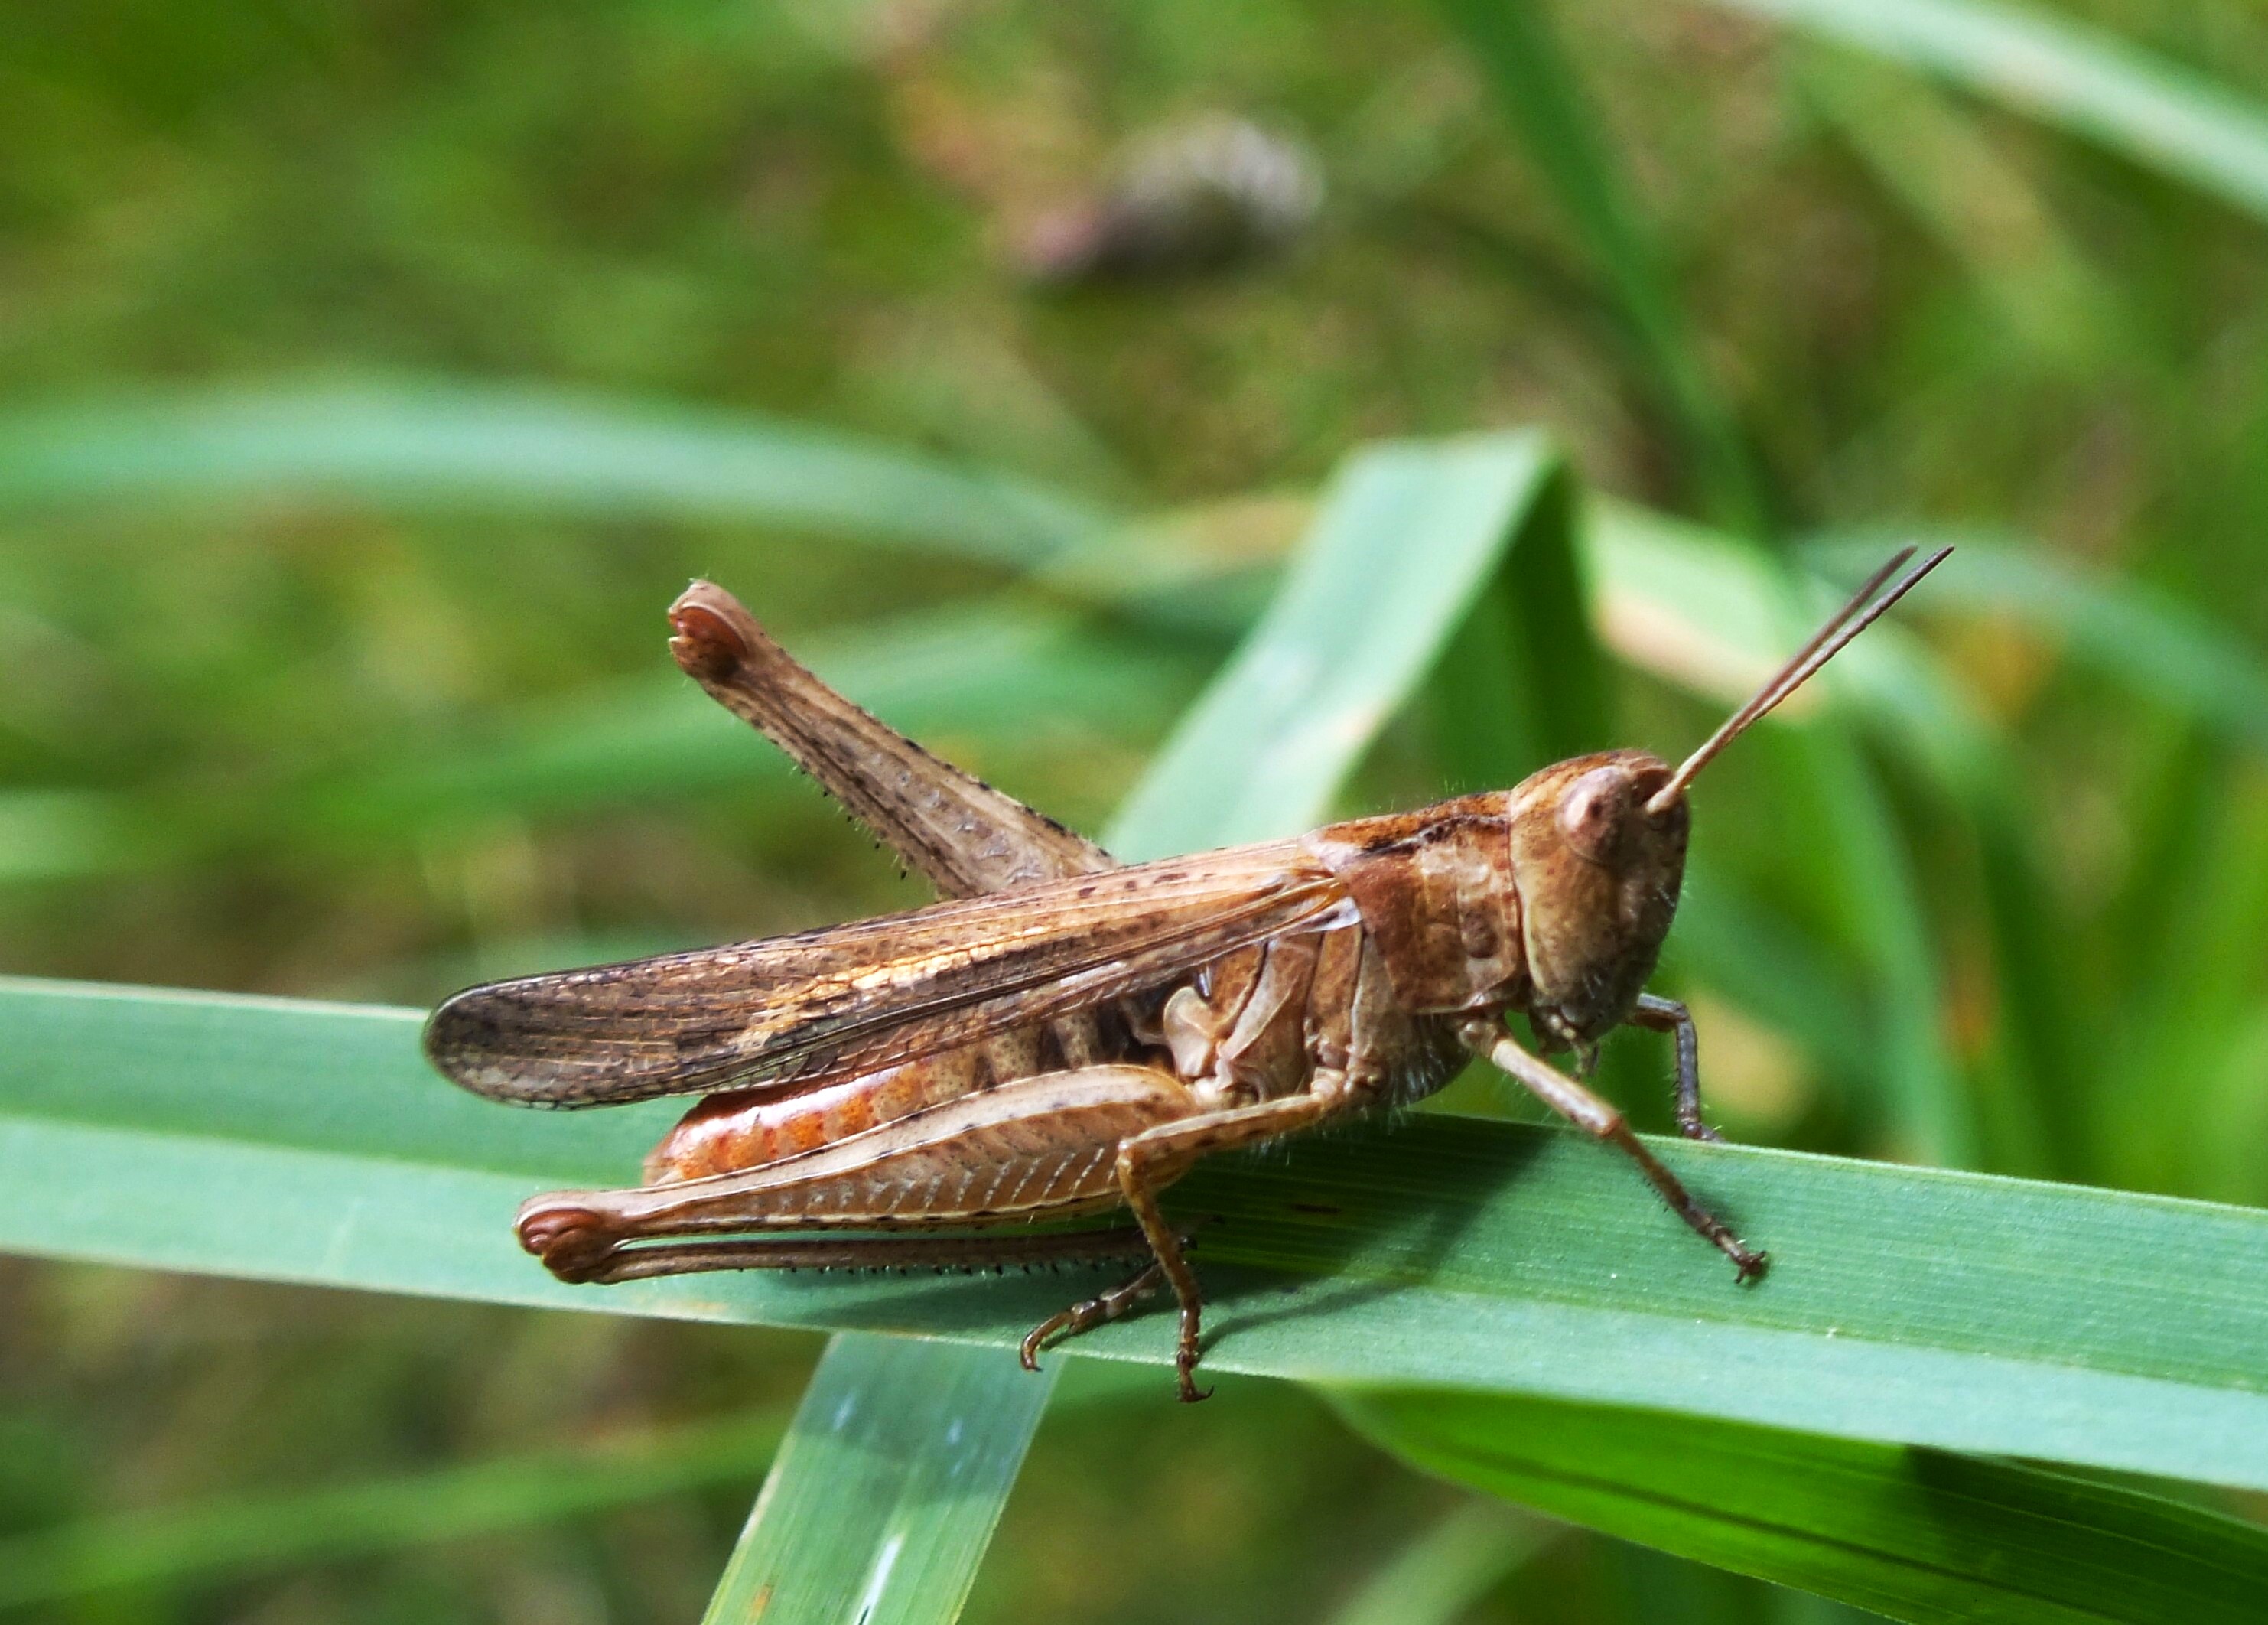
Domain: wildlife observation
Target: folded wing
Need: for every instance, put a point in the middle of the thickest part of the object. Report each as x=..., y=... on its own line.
x=801, y=1011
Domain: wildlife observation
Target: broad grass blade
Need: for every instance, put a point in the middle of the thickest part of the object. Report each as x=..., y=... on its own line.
x=1407, y=539
x=306, y=1142
x=887, y=1487
x=1915, y=1534
x=1455, y=1562
x=280, y=1140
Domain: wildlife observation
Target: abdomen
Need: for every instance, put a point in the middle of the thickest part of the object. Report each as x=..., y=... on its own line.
x=740, y=1129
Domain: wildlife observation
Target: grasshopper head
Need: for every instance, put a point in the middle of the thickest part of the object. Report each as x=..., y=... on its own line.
x=1598, y=864
x=1598, y=845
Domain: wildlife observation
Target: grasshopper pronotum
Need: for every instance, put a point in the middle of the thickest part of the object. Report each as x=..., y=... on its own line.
x=1064, y=1035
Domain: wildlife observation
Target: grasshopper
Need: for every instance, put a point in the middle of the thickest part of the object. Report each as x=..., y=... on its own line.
x=1063, y=1036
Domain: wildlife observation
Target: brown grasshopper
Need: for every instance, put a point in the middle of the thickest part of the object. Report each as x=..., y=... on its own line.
x=1063, y=1036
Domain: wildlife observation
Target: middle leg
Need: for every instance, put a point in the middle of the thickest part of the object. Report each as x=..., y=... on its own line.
x=1097, y=1311
x=1661, y=1014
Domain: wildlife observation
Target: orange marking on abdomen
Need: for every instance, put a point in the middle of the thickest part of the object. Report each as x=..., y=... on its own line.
x=745, y=1128
x=852, y=1114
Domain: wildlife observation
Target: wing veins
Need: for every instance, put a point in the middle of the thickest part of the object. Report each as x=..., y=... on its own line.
x=805, y=1010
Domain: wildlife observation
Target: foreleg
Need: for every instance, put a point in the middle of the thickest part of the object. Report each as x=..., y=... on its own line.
x=1601, y=1121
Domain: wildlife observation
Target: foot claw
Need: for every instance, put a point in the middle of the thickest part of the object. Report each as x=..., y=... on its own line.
x=1750, y=1267
x=1185, y=1368
x=1027, y=1352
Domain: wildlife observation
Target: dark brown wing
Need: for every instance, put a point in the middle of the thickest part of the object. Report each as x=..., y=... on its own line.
x=800, y=1011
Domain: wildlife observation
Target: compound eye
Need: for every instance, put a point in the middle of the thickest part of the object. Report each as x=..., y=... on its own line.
x=1590, y=813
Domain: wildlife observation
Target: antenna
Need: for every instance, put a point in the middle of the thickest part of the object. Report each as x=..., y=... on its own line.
x=1845, y=625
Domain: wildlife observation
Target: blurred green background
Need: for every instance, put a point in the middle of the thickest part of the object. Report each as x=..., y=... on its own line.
x=374, y=741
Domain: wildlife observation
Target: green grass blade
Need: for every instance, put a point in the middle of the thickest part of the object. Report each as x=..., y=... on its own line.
x=2090, y=84
x=1915, y=1534
x=1402, y=543
x=1940, y=162
x=264, y=1535
x=1439, y=1577
x=2062, y=1051
x=1525, y=683
x=887, y=1487
x=63, y=834
x=1536, y=86
x=286, y=1141
x=2146, y=640
x=488, y=447
x=991, y=675
x=1407, y=539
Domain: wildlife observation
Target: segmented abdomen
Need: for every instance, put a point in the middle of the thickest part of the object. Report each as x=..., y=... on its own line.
x=752, y=1128
x=1041, y=1145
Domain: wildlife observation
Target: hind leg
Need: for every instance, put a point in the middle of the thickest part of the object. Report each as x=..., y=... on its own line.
x=967, y=836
